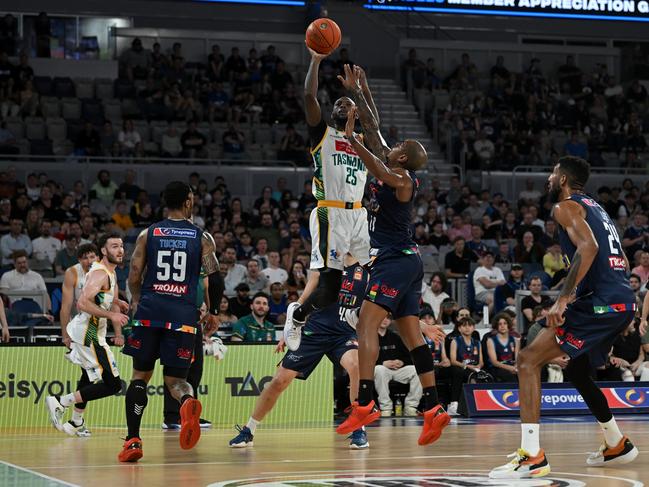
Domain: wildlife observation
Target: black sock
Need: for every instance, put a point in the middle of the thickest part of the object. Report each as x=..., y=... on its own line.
x=184, y=398
x=430, y=397
x=136, y=401
x=303, y=311
x=365, y=392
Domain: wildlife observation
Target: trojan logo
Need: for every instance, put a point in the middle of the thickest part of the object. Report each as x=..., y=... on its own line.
x=246, y=386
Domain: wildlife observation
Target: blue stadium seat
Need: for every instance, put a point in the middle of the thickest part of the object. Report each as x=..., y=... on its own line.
x=43, y=85
x=26, y=306
x=64, y=88
x=92, y=111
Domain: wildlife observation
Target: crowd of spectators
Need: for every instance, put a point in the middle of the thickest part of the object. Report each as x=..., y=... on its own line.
x=503, y=118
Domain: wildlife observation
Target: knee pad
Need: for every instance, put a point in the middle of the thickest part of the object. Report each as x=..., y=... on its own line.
x=423, y=359
x=328, y=287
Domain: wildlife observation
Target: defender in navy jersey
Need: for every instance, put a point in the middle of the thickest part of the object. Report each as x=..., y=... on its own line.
x=594, y=306
x=396, y=269
x=326, y=333
x=165, y=268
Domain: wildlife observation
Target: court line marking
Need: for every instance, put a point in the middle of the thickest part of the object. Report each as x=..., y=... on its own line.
x=38, y=474
x=259, y=461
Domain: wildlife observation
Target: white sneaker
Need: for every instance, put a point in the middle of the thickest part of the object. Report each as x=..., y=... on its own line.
x=522, y=467
x=410, y=412
x=452, y=409
x=56, y=411
x=73, y=430
x=292, y=328
x=623, y=452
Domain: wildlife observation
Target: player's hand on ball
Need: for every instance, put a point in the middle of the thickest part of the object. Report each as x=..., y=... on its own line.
x=281, y=346
x=555, y=315
x=119, y=318
x=316, y=55
x=211, y=324
x=351, y=80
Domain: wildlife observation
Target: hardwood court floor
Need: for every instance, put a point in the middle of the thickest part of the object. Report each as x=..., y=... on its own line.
x=308, y=456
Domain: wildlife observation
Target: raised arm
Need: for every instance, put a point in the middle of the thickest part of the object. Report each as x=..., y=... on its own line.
x=311, y=105
x=367, y=93
x=138, y=264
x=571, y=217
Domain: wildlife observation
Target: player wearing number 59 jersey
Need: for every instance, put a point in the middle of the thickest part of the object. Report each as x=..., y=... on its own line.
x=165, y=268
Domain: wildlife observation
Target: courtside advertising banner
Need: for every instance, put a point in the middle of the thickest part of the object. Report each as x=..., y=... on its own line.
x=228, y=390
x=556, y=399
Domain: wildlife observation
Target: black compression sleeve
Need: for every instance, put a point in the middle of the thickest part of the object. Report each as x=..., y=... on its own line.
x=215, y=289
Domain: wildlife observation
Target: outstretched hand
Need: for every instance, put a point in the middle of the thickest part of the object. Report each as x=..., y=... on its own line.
x=316, y=55
x=351, y=123
x=351, y=80
x=362, y=78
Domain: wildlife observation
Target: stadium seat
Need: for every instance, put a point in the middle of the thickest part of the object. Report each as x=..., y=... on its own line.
x=84, y=87
x=50, y=106
x=151, y=148
x=64, y=88
x=130, y=108
x=71, y=108
x=23, y=146
x=43, y=85
x=40, y=147
x=16, y=126
x=75, y=126
x=103, y=88
x=112, y=109
x=26, y=306
x=124, y=89
x=56, y=128
x=263, y=135
x=34, y=128
x=62, y=147
x=92, y=111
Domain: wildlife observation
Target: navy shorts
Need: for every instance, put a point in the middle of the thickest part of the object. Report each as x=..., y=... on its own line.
x=583, y=331
x=313, y=347
x=147, y=344
x=395, y=283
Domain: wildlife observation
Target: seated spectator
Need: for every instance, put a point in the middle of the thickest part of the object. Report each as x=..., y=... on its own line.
x=107, y=140
x=244, y=247
x=193, y=142
x=486, y=279
x=484, y=149
x=67, y=256
x=122, y=216
x=13, y=241
x=7, y=140
x=128, y=190
x=261, y=253
x=226, y=317
x=292, y=147
x=642, y=270
x=532, y=301
x=274, y=273
x=236, y=273
x=626, y=361
x=502, y=350
x=434, y=293
x=216, y=64
x=129, y=139
x=233, y=143
x=278, y=303
x=135, y=61
x=528, y=251
x=466, y=358
x=296, y=281
x=554, y=264
x=575, y=147
x=66, y=213
x=21, y=278
x=459, y=229
x=476, y=245
x=171, y=145
x=46, y=247
x=88, y=142
x=504, y=255
x=218, y=103
x=255, y=327
x=256, y=281
x=448, y=311
x=527, y=225
x=458, y=262
x=636, y=236
x=513, y=284
x=394, y=363
x=437, y=237
x=440, y=358
x=240, y=303
x=104, y=189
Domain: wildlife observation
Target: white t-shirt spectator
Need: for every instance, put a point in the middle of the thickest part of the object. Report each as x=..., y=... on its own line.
x=275, y=275
x=46, y=248
x=493, y=274
x=129, y=139
x=484, y=148
x=15, y=281
x=428, y=297
x=236, y=274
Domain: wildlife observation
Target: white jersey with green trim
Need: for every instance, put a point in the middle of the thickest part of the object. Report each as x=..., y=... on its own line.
x=85, y=328
x=339, y=173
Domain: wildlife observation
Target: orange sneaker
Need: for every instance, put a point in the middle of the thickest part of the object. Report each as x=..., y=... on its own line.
x=435, y=420
x=358, y=417
x=190, y=426
x=131, y=451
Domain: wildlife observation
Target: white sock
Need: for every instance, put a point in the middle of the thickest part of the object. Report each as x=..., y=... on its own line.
x=77, y=416
x=612, y=434
x=530, y=438
x=252, y=425
x=68, y=400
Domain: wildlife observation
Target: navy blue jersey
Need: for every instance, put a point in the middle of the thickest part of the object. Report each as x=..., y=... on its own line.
x=467, y=354
x=330, y=320
x=504, y=353
x=173, y=267
x=389, y=220
x=605, y=284
x=435, y=349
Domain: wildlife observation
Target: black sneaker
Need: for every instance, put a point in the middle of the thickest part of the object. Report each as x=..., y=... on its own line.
x=205, y=423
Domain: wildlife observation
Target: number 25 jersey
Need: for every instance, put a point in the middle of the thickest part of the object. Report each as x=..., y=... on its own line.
x=173, y=264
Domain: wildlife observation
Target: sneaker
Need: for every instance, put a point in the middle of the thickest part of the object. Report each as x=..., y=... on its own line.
x=408, y=411
x=56, y=411
x=522, y=467
x=169, y=426
x=359, y=440
x=359, y=416
x=73, y=429
x=452, y=409
x=131, y=450
x=386, y=413
x=435, y=420
x=243, y=439
x=292, y=328
x=205, y=424
x=190, y=428
x=623, y=452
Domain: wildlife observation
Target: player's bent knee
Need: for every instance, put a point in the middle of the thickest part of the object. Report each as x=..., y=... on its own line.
x=422, y=359
x=328, y=287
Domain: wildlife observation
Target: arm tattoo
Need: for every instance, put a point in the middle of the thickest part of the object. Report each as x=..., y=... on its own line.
x=208, y=260
x=571, y=279
x=371, y=136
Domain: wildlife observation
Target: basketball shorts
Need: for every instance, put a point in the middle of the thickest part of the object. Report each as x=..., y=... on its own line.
x=395, y=282
x=147, y=344
x=336, y=231
x=313, y=347
x=94, y=359
x=583, y=331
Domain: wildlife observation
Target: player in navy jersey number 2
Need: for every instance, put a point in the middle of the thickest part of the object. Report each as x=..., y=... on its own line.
x=165, y=268
x=594, y=306
x=396, y=270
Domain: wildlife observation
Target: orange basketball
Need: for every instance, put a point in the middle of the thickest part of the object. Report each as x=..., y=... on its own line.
x=323, y=36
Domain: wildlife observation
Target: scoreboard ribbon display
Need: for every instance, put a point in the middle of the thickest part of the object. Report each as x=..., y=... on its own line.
x=556, y=399
x=625, y=10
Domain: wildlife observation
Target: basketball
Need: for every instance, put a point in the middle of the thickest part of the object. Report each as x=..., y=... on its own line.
x=323, y=36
